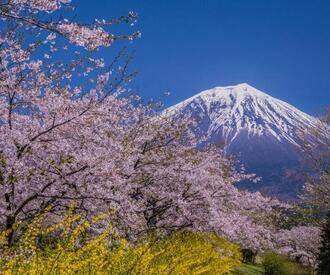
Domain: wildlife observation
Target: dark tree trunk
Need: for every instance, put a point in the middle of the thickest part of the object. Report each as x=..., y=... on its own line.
x=10, y=221
x=249, y=256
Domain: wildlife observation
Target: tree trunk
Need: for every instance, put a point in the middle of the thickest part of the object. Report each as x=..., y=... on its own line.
x=10, y=221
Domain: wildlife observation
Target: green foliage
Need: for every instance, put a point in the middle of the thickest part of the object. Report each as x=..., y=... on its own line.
x=250, y=269
x=73, y=251
x=296, y=215
x=324, y=255
x=275, y=264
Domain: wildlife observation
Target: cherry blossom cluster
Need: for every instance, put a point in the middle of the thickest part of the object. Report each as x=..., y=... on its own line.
x=42, y=5
x=31, y=14
x=300, y=243
x=90, y=38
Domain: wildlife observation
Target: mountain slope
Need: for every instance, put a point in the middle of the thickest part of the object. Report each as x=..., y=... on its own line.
x=262, y=131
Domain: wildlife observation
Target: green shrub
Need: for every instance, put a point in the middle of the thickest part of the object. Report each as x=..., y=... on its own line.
x=276, y=264
x=324, y=255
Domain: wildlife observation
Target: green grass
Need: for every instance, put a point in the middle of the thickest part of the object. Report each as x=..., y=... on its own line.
x=248, y=269
x=297, y=269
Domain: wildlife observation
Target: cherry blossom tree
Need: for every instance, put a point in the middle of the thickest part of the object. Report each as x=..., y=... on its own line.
x=300, y=243
x=316, y=154
x=71, y=133
x=175, y=185
x=54, y=116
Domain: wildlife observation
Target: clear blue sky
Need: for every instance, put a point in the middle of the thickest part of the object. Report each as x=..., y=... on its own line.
x=279, y=46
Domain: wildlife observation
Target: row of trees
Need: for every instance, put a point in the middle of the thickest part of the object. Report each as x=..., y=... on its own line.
x=310, y=216
x=64, y=139
x=316, y=194
x=70, y=132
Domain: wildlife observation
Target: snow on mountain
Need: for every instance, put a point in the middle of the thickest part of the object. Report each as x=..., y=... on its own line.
x=232, y=109
x=262, y=131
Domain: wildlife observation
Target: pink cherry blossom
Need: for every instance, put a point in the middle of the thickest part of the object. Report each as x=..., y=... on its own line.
x=300, y=243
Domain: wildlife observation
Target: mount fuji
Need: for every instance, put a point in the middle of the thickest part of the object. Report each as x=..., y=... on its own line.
x=260, y=130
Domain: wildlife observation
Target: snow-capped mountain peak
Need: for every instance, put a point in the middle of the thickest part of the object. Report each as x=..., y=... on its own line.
x=233, y=110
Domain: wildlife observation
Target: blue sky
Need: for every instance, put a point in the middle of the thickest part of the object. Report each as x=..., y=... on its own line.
x=280, y=47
